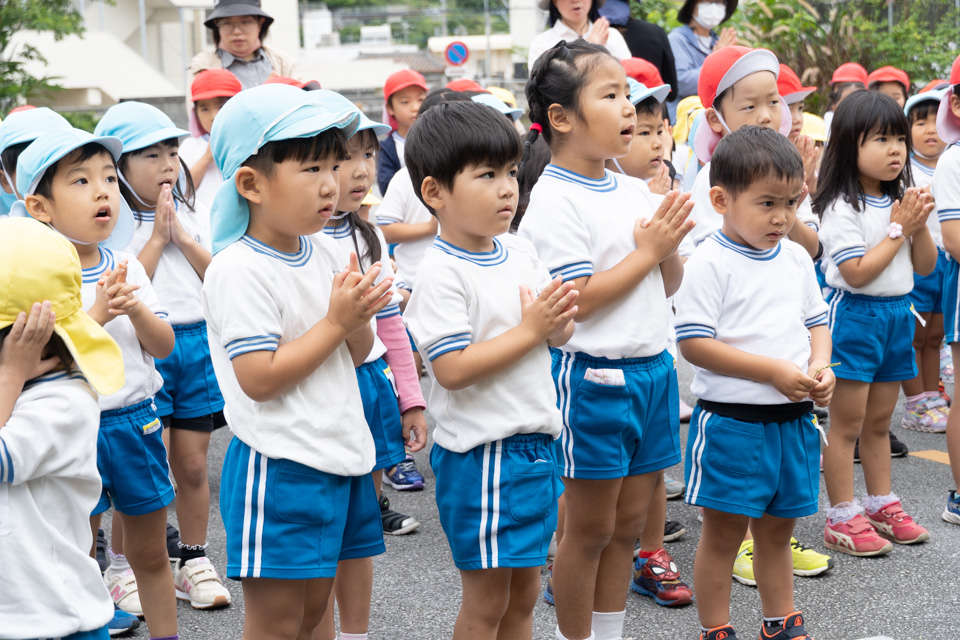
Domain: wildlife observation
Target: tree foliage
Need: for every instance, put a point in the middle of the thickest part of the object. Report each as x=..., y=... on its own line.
x=57, y=16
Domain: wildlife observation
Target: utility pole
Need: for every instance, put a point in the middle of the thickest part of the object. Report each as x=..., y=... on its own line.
x=444, y=30
x=486, y=30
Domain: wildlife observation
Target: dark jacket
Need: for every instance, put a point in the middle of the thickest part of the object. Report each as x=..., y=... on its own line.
x=388, y=163
x=649, y=41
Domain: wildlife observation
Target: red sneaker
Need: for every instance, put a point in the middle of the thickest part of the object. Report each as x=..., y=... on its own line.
x=893, y=523
x=855, y=537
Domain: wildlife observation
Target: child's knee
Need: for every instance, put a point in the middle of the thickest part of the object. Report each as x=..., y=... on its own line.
x=190, y=469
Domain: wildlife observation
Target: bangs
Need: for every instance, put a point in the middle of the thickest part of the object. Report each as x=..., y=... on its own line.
x=884, y=117
x=494, y=147
x=326, y=144
x=923, y=110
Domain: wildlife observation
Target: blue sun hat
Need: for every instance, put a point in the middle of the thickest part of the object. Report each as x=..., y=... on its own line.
x=640, y=92
x=138, y=125
x=20, y=127
x=251, y=119
x=336, y=102
x=934, y=95
x=493, y=101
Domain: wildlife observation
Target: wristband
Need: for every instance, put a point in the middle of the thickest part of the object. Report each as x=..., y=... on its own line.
x=895, y=230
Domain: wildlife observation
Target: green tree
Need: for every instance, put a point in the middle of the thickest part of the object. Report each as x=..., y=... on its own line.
x=57, y=16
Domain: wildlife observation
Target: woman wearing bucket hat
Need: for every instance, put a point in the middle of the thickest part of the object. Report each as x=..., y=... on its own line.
x=239, y=28
x=572, y=19
x=697, y=38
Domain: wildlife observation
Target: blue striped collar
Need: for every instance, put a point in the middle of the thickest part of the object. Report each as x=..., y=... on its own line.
x=342, y=230
x=72, y=374
x=107, y=261
x=919, y=166
x=607, y=183
x=882, y=202
x=483, y=259
x=297, y=259
x=750, y=252
x=149, y=216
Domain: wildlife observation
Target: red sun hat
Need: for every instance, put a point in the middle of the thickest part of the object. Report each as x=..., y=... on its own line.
x=849, y=72
x=465, y=84
x=23, y=107
x=401, y=80
x=309, y=85
x=934, y=85
x=948, y=126
x=889, y=74
x=642, y=71
x=790, y=86
x=721, y=70
x=214, y=83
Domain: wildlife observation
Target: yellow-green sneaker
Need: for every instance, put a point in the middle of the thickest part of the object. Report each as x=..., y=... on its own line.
x=807, y=562
x=743, y=565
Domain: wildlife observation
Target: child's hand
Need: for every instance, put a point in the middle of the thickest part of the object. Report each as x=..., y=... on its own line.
x=826, y=381
x=355, y=299
x=21, y=353
x=810, y=153
x=660, y=183
x=662, y=233
x=178, y=234
x=789, y=380
x=414, y=428
x=547, y=315
x=911, y=212
x=121, y=300
x=161, y=217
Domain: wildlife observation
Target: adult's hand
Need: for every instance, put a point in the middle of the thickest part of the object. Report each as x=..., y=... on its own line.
x=599, y=32
x=728, y=37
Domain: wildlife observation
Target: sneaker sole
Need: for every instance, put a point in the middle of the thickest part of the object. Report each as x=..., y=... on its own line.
x=680, y=602
x=950, y=516
x=403, y=530
x=806, y=573
x=676, y=494
x=676, y=535
x=416, y=486
x=745, y=581
x=218, y=603
x=921, y=429
x=887, y=548
x=923, y=537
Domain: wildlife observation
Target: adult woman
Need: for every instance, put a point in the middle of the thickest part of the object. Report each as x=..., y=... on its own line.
x=239, y=27
x=696, y=38
x=572, y=19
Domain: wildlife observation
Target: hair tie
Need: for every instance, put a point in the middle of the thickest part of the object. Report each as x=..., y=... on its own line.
x=536, y=127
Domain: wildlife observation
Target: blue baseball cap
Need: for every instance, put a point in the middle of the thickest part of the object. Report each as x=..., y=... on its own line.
x=934, y=95
x=640, y=92
x=138, y=125
x=493, y=101
x=25, y=126
x=50, y=147
x=334, y=102
x=249, y=120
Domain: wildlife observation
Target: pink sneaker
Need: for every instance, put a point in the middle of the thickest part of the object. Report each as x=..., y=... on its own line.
x=856, y=537
x=893, y=523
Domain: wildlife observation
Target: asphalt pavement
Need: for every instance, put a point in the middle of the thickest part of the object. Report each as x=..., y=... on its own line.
x=913, y=593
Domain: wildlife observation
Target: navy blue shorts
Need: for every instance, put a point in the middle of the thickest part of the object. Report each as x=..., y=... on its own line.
x=286, y=520
x=753, y=468
x=132, y=461
x=190, y=388
x=498, y=501
x=382, y=412
x=927, y=294
x=617, y=430
x=872, y=337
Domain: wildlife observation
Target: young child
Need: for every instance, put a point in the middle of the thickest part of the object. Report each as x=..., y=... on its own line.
x=288, y=322
x=924, y=409
x=874, y=234
x=172, y=245
x=846, y=79
x=403, y=93
x=793, y=94
x=753, y=449
x=51, y=354
x=209, y=91
x=70, y=181
x=16, y=134
x=946, y=189
x=892, y=82
x=645, y=160
x=484, y=313
x=616, y=382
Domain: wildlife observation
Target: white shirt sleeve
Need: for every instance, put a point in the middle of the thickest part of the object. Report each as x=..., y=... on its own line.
x=241, y=305
x=841, y=232
x=437, y=313
x=814, y=306
x=699, y=301
x=617, y=46
x=946, y=185
x=394, y=206
x=561, y=239
x=386, y=271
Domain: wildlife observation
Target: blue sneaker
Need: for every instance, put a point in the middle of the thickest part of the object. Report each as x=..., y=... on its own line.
x=548, y=592
x=658, y=577
x=952, y=511
x=404, y=476
x=122, y=623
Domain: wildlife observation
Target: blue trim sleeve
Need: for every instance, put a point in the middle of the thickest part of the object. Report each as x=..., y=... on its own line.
x=388, y=311
x=816, y=321
x=383, y=220
x=6, y=464
x=574, y=270
x=948, y=214
x=448, y=344
x=241, y=346
x=848, y=254
x=685, y=331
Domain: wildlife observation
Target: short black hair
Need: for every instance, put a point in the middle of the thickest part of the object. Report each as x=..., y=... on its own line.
x=650, y=107
x=753, y=153
x=10, y=156
x=837, y=90
x=922, y=110
x=453, y=136
x=441, y=95
x=331, y=142
x=77, y=156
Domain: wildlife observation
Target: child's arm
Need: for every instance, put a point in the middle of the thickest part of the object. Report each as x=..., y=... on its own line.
x=398, y=232
x=656, y=240
x=21, y=354
x=264, y=375
x=671, y=270
x=821, y=347
x=359, y=344
x=399, y=204
x=544, y=318
x=154, y=333
x=923, y=252
x=807, y=237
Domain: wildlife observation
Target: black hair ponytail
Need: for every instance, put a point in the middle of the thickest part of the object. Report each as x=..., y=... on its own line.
x=370, y=238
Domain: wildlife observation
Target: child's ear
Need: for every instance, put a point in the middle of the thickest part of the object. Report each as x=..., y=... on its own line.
x=7, y=187
x=713, y=121
x=955, y=104
x=720, y=199
x=432, y=193
x=39, y=208
x=248, y=184
x=559, y=118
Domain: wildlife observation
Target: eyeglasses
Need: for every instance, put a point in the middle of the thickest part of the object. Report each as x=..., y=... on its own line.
x=247, y=23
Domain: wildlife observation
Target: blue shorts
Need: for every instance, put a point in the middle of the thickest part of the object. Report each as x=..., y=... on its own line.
x=927, y=294
x=103, y=633
x=286, y=520
x=413, y=345
x=132, y=461
x=872, y=337
x=951, y=301
x=753, y=468
x=382, y=412
x=190, y=387
x=616, y=431
x=498, y=501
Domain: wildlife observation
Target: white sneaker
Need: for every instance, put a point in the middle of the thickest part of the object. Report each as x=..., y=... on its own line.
x=123, y=589
x=198, y=582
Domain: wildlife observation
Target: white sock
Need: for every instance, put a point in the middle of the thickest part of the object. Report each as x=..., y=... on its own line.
x=875, y=503
x=353, y=636
x=560, y=636
x=608, y=626
x=843, y=511
x=118, y=563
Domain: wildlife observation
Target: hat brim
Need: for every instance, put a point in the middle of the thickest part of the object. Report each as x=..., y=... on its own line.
x=660, y=93
x=705, y=140
x=234, y=10
x=798, y=96
x=370, y=200
x=948, y=127
x=213, y=93
x=119, y=239
x=155, y=137
x=96, y=354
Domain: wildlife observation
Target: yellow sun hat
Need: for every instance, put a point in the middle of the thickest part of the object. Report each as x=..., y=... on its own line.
x=370, y=199
x=40, y=264
x=687, y=110
x=505, y=95
x=815, y=127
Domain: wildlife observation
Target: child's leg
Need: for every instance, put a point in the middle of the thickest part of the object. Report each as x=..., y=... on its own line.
x=848, y=409
x=953, y=426
x=719, y=543
x=188, y=461
x=145, y=546
x=928, y=360
x=874, y=438
x=94, y=528
x=354, y=588
x=116, y=533
x=651, y=538
x=274, y=609
x=916, y=386
x=486, y=599
x=517, y=621
x=773, y=564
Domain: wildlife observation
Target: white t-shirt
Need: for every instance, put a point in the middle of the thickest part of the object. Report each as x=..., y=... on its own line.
x=580, y=226
x=616, y=45
x=760, y=302
x=191, y=149
x=175, y=280
x=946, y=187
x=401, y=204
x=142, y=380
x=847, y=234
x=923, y=177
x=344, y=237
x=465, y=298
x=401, y=143
x=256, y=298
x=49, y=484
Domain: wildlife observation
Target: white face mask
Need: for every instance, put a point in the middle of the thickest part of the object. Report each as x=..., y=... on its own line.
x=710, y=14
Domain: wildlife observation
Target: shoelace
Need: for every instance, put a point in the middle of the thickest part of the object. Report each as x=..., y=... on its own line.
x=407, y=467
x=799, y=546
